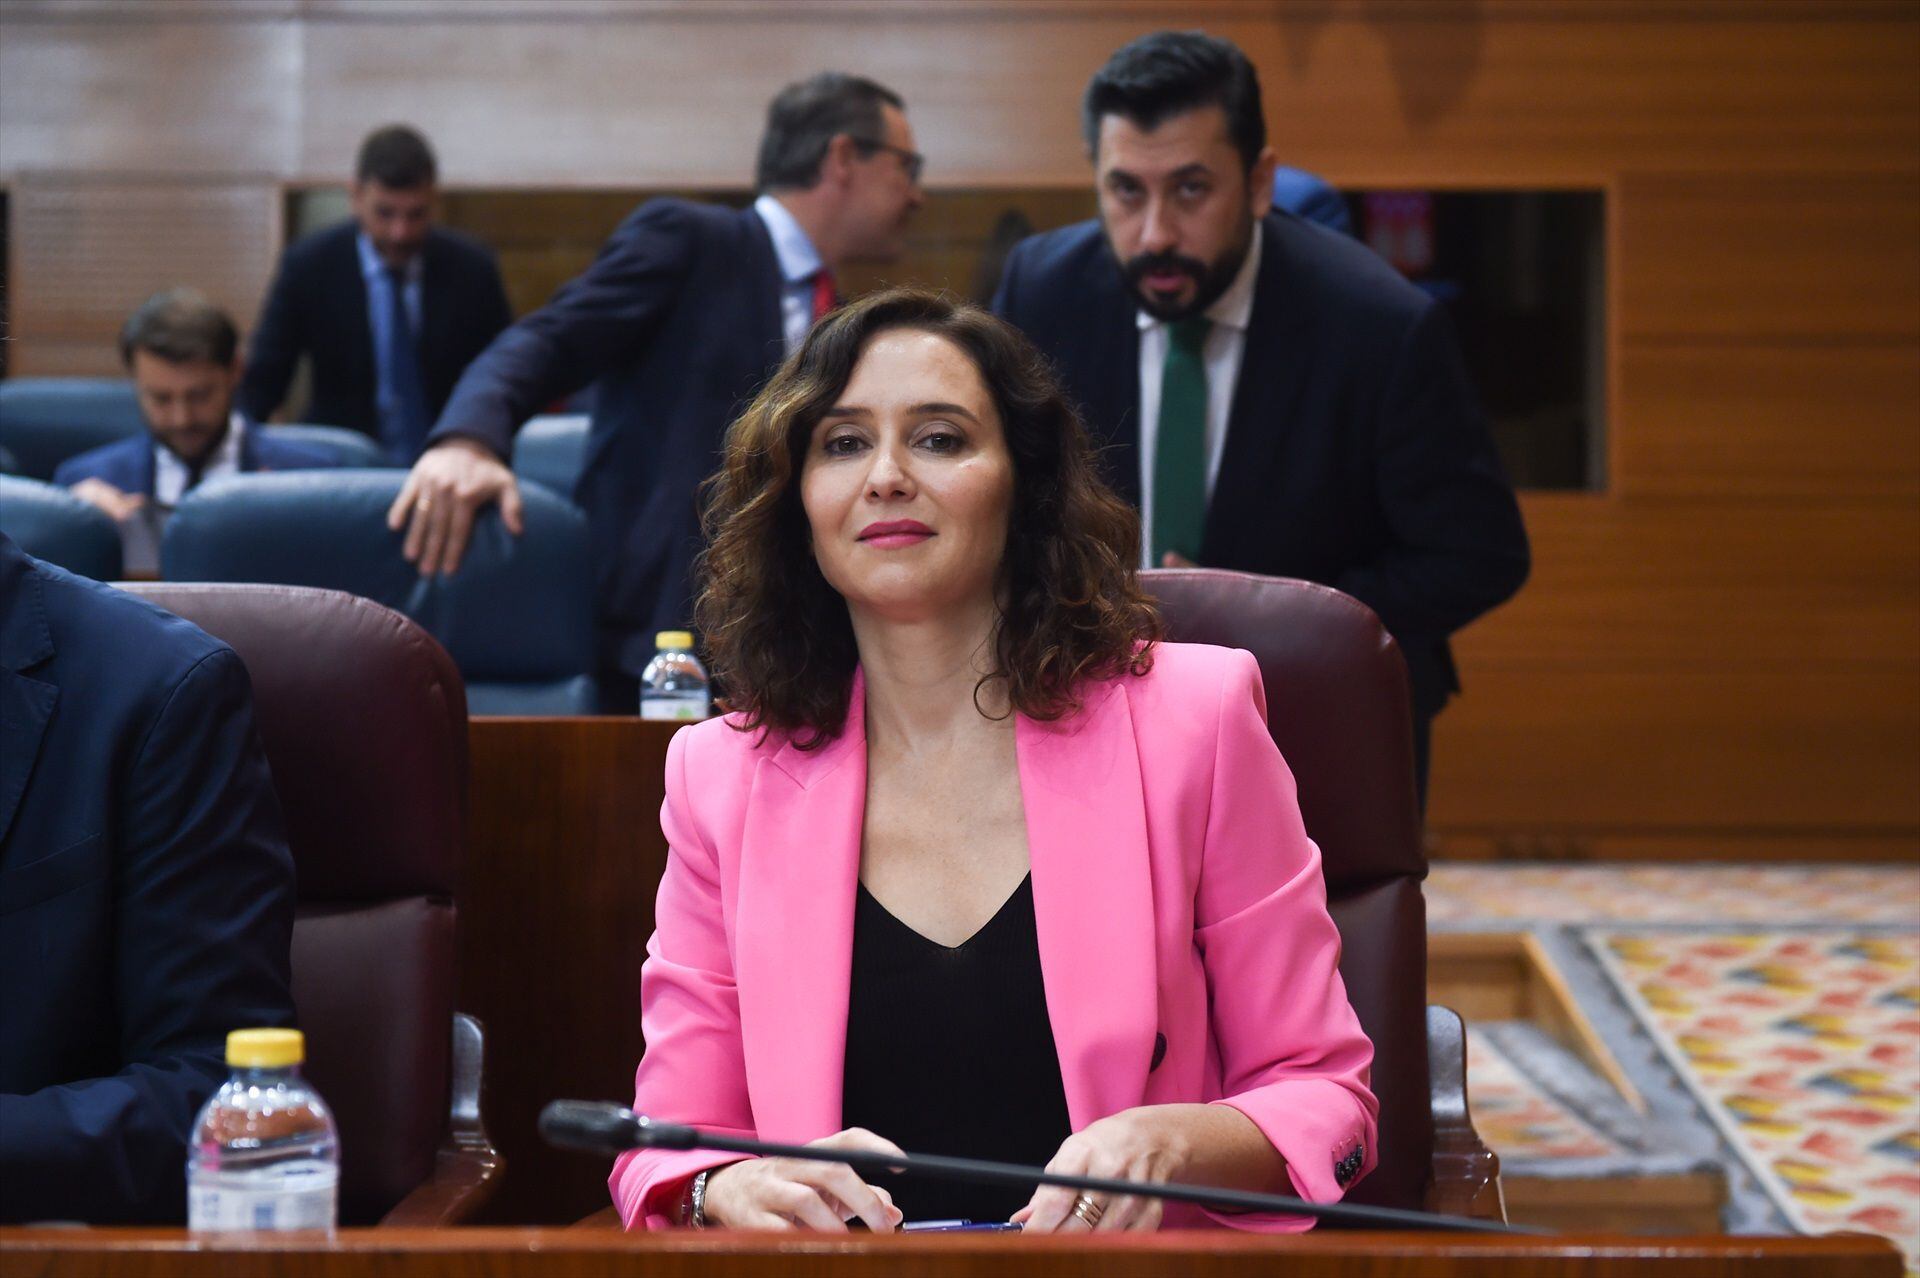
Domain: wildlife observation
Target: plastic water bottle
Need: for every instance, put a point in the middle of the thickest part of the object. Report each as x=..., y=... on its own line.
x=674, y=685
x=264, y=1153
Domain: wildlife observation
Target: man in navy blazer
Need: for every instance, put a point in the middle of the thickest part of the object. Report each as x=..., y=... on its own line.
x=388, y=308
x=183, y=353
x=1273, y=396
x=683, y=316
x=146, y=893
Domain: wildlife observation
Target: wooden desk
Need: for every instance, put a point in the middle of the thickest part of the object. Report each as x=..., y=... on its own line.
x=555, y=911
x=582, y=1253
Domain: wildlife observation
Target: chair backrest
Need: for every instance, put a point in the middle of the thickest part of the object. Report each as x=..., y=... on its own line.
x=551, y=451
x=517, y=617
x=363, y=718
x=45, y=420
x=351, y=447
x=52, y=524
x=1338, y=707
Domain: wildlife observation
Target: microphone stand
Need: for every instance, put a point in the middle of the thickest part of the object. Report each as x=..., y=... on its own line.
x=604, y=1128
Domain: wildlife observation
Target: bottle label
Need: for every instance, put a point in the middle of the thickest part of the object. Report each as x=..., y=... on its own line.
x=676, y=711
x=219, y=1208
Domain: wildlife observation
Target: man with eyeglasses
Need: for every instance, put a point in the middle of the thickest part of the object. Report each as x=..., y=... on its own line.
x=683, y=316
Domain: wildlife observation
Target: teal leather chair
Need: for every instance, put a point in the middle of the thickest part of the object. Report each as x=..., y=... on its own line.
x=517, y=618
x=52, y=524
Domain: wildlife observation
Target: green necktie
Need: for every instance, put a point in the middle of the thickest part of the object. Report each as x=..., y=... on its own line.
x=1180, y=446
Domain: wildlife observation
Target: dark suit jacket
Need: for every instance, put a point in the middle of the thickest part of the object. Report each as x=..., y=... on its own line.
x=318, y=307
x=678, y=319
x=146, y=893
x=127, y=464
x=1355, y=453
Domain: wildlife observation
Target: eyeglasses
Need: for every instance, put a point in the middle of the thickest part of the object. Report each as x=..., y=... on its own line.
x=912, y=161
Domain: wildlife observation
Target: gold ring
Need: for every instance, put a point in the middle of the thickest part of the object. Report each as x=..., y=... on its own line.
x=1088, y=1210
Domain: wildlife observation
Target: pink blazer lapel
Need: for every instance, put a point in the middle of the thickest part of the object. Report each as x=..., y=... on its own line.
x=1093, y=909
x=1092, y=899
x=793, y=929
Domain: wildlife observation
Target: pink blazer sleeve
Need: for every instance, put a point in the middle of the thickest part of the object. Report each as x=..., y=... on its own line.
x=692, y=1070
x=1293, y=1056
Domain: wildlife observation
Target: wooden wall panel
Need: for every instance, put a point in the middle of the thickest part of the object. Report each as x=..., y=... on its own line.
x=1725, y=749
x=1772, y=420
x=85, y=253
x=1459, y=93
x=1444, y=91
x=1770, y=258
x=210, y=97
x=1685, y=586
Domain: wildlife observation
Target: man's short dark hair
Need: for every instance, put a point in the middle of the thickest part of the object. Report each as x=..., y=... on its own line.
x=180, y=326
x=1170, y=73
x=398, y=158
x=805, y=117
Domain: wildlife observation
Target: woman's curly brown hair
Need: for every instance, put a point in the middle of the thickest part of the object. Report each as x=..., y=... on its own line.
x=778, y=635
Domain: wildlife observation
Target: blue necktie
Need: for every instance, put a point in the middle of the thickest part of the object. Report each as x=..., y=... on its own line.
x=407, y=425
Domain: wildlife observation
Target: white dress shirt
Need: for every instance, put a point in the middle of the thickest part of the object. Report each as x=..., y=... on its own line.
x=1226, y=343
x=170, y=474
x=799, y=263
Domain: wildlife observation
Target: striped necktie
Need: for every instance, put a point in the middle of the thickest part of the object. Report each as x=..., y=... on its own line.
x=1180, y=444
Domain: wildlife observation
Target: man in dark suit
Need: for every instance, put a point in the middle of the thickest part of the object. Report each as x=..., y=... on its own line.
x=388, y=307
x=681, y=319
x=146, y=893
x=1275, y=397
x=183, y=353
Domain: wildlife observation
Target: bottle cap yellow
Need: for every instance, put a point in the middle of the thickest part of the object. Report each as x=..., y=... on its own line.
x=673, y=639
x=265, y=1048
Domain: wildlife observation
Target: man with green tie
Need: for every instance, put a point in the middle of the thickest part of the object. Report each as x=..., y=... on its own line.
x=1274, y=396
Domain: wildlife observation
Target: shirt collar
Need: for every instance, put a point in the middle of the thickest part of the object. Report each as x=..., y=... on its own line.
x=799, y=260
x=1234, y=308
x=225, y=459
x=371, y=266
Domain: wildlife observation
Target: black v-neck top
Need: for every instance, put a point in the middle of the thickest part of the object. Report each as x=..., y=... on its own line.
x=949, y=1051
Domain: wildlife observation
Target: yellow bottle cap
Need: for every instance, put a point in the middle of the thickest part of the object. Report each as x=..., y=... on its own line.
x=265, y=1048
x=673, y=639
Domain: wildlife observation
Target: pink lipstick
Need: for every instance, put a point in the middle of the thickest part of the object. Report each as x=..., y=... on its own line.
x=891, y=534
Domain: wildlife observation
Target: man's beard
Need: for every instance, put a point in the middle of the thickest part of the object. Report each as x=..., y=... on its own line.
x=214, y=437
x=1210, y=280
x=397, y=255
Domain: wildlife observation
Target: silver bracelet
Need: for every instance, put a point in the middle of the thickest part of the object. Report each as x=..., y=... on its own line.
x=697, y=1201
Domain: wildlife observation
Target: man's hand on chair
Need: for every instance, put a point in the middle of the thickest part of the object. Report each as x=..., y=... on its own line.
x=104, y=496
x=447, y=489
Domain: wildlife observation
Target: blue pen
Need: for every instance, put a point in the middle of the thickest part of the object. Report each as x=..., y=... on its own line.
x=960, y=1227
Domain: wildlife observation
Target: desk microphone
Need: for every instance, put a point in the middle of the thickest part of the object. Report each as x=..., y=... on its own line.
x=600, y=1127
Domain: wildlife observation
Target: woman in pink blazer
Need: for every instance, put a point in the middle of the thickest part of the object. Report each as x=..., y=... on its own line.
x=976, y=865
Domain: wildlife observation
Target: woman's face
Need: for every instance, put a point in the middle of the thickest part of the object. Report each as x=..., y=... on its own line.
x=908, y=483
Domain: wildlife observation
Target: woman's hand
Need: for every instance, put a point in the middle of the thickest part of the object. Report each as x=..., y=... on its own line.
x=1148, y=1143
x=790, y=1193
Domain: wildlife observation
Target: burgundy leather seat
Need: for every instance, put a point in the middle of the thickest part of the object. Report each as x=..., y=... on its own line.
x=1338, y=708
x=364, y=720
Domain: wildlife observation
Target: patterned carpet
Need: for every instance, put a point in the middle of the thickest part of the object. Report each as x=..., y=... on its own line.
x=1778, y=1007
x=1804, y=1047
x=1477, y=895
x=1520, y=1120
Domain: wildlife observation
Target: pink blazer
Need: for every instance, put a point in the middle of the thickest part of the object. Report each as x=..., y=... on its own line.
x=1175, y=893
